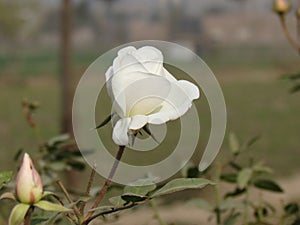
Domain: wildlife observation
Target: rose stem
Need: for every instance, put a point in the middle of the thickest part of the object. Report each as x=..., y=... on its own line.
x=66, y=193
x=27, y=218
x=107, y=182
x=88, y=188
x=293, y=43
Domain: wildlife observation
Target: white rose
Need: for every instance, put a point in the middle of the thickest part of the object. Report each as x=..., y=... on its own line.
x=143, y=91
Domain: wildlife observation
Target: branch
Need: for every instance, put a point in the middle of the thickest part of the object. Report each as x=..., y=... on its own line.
x=107, y=183
x=88, y=188
x=289, y=37
x=27, y=218
x=64, y=190
x=113, y=210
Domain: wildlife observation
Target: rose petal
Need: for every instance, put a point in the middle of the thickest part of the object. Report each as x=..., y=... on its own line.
x=121, y=54
x=108, y=76
x=190, y=89
x=137, y=122
x=168, y=76
x=145, y=95
x=120, y=83
x=175, y=105
x=126, y=50
x=127, y=61
x=120, y=131
x=151, y=58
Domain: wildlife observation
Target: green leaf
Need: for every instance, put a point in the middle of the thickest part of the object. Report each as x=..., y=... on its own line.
x=201, y=204
x=235, y=166
x=49, y=218
x=58, y=166
x=81, y=199
x=260, y=168
x=234, y=144
x=139, y=190
x=252, y=141
x=47, y=193
x=229, y=177
x=117, y=201
x=296, y=221
x=18, y=213
x=101, y=208
x=294, y=76
x=267, y=185
x=180, y=184
x=291, y=208
x=5, y=177
x=190, y=170
x=8, y=195
x=49, y=206
x=58, y=139
x=236, y=192
x=133, y=198
x=244, y=177
x=231, y=204
x=38, y=220
x=295, y=89
x=232, y=219
x=76, y=165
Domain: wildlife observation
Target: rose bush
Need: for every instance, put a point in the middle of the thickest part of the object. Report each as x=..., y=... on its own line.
x=144, y=92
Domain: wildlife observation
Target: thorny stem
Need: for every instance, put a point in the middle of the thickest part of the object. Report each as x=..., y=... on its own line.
x=289, y=37
x=27, y=218
x=113, y=210
x=106, y=184
x=88, y=188
x=156, y=212
x=66, y=193
x=67, y=215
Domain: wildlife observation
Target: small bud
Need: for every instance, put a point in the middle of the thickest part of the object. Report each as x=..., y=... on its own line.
x=29, y=187
x=281, y=6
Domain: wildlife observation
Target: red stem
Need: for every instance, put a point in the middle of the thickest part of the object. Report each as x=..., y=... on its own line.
x=106, y=184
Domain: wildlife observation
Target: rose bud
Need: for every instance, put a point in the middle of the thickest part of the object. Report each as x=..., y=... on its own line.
x=281, y=6
x=29, y=187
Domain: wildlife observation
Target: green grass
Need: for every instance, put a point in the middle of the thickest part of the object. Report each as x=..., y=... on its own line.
x=257, y=101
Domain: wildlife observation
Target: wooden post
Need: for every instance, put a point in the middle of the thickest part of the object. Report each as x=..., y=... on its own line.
x=66, y=78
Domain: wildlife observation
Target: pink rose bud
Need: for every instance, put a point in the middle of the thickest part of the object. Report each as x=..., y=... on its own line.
x=281, y=6
x=29, y=187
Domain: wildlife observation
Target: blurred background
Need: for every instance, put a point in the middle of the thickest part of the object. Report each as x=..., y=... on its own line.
x=45, y=47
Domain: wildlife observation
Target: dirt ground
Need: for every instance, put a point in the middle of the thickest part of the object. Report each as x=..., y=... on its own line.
x=181, y=214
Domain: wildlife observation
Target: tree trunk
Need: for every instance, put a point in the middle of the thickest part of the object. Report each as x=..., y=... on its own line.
x=66, y=84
